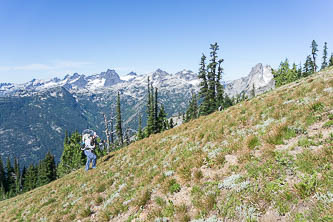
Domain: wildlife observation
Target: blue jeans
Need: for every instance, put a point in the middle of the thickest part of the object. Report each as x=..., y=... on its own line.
x=90, y=158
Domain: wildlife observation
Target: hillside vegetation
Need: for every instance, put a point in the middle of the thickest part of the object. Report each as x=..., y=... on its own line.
x=266, y=159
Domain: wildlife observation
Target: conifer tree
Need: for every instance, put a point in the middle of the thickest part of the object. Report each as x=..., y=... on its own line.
x=111, y=129
x=331, y=60
x=119, y=129
x=10, y=179
x=30, y=179
x=307, y=66
x=140, y=135
x=17, y=176
x=162, y=121
x=192, y=111
x=253, y=92
x=284, y=74
x=72, y=157
x=23, y=175
x=157, y=128
x=150, y=121
x=47, y=169
x=211, y=77
x=314, y=50
x=204, y=107
x=219, y=87
x=2, y=180
x=171, y=124
x=299, y=71
x=324, y=63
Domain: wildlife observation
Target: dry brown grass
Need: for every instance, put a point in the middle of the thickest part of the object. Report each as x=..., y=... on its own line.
x=196, y=154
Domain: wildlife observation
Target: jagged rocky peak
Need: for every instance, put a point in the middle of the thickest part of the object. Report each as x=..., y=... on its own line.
x=159, y=74
x=187, y=75
x=260, y=77
x=111, y=77
x=132, y=74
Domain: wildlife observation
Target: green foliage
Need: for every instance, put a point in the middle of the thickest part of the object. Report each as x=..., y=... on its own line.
x=174, y=187
x=72, y=157
x=317, y=107
x=307, y=186
x=144, y=198
x=46, y=170
x=314, y=50
x=211, y=90
x=86, y=212
x=140, y=134
x=119, y=129
x=101, y=188
x=331, y=61
x=284, y=74
x=324, y=63
x=253, y=142
x=192, y=111
x=280, y=134
x=328, y=124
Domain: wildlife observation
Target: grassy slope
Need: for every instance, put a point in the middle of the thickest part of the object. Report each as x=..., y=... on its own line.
x=265, y=159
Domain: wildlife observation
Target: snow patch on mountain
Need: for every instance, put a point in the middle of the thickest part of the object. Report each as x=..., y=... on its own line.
x=134, y=85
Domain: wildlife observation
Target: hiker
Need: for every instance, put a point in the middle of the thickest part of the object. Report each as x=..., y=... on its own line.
x=88, y=151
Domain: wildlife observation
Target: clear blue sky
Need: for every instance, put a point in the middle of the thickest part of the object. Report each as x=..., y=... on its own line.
x=45, y=39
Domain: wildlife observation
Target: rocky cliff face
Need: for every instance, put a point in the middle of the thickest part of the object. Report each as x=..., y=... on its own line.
x=260, y=77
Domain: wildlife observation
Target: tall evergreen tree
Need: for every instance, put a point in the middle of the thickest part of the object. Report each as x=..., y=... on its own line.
x=219, y=87
x=284, y=74
x=72, y=157
x=30, y=179
x=211, y=77
x=46, y=170
x=331, y=60
x=324, y=63
x=314, y=50
x=299, y=71
x=308, y=68
x=23, y=175
x=2, y=180
x=203, y=94
x=17, y=176
x=119, y=129
x=150, y=108
x=140, y=135
x=10, y=178
x=162, y=121
x=155, y=113
x=171, y=124
x=192, y=111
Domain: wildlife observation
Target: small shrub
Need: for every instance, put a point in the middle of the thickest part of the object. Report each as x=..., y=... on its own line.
x=160, y=201
x=99, y=200
x=328, y=124
x=169, y=210
x=281, y=133
x=304, y=142
x=318, y=106
x=104, y=216
x=253, y=142
x=174, y=187
x=307, y=186
x=101, y=188
x=145, y=197
x=198, y=174
x=86, y=212
x=330, y=116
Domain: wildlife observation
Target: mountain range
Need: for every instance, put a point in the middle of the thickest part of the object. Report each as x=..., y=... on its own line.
x=35, y=115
